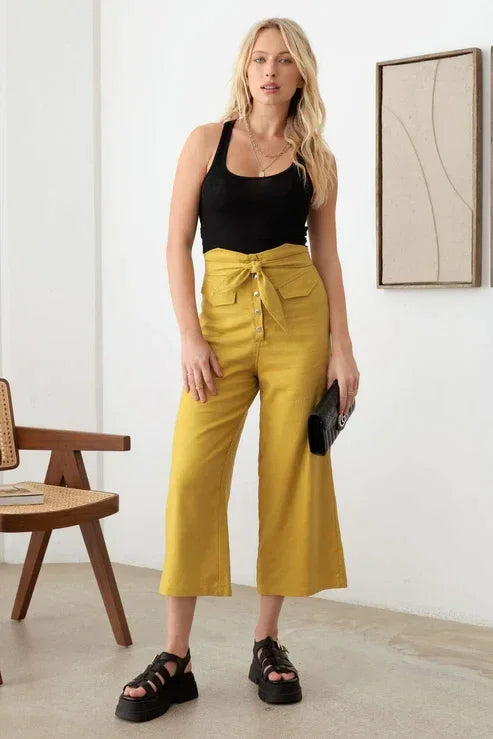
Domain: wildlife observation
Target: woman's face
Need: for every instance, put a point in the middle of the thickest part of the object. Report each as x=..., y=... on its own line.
x=270, y=62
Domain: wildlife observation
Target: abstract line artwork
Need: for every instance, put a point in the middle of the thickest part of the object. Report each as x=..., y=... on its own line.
x=429, y=171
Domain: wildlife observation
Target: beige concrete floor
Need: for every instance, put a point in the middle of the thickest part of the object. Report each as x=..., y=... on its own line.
x=365, y=672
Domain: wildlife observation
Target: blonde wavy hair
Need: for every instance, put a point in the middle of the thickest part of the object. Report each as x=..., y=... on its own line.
x=306, y=113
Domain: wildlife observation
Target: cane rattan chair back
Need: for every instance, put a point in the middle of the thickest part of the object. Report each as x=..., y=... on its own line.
x=9, y=453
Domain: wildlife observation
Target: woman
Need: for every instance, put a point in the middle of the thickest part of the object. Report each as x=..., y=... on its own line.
x=253, y=179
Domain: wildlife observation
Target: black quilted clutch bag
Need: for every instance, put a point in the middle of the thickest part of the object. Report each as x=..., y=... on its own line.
x=325, y=422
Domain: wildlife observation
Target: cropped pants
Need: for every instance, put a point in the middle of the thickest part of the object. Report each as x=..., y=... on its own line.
x=266, y=317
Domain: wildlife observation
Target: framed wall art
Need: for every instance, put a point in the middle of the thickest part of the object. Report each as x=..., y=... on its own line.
x=429, y=170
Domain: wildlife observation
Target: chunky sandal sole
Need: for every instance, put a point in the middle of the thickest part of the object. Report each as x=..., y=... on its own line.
x=270, y=691
x=149, y=707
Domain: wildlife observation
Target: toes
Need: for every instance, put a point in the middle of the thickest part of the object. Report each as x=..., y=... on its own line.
x=287, y=675
x=282, y=676
x=138, y=692
x=134, y=692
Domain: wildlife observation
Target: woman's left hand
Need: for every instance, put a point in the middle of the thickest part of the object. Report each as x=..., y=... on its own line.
x=342, y=367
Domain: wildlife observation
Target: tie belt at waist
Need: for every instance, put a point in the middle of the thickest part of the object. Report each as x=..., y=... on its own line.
x=236, y=267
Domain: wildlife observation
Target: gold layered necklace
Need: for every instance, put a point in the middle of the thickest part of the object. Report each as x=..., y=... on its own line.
x=256, y=148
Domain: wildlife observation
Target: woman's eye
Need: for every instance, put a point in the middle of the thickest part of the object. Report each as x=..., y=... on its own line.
x=284, y=59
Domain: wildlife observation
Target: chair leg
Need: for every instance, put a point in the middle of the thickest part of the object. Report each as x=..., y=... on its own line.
x=32, y=565
x=98, y=554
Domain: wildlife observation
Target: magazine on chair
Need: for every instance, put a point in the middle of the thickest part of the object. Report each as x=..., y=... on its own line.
x=19, y=495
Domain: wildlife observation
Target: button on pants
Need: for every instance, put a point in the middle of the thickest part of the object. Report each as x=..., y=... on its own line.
x=266, y=317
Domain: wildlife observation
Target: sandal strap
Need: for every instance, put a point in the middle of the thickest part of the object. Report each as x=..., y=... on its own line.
x=270, y=642
x=158, y=665
x=182, y=662
x=274, y=654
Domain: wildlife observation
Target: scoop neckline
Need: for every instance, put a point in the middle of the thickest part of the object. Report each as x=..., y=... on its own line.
x=251, y=177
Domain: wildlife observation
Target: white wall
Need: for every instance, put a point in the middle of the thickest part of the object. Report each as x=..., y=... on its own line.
x=412, y=471
x=50, y=240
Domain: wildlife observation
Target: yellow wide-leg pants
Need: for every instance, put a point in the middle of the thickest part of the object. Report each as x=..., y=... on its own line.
x=266, y=316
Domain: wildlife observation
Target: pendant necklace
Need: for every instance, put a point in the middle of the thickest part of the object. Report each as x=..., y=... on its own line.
x=256, y=147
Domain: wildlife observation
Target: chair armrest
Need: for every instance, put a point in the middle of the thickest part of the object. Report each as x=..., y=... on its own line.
x=50, y=439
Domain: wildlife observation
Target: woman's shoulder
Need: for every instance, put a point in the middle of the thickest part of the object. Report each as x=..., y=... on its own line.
x=200, y=138
x=203, y=140
x=213, y=126
x=213, y=129
x=210, y=133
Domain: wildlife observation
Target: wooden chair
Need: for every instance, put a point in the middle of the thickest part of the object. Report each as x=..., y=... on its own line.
x=68, y=501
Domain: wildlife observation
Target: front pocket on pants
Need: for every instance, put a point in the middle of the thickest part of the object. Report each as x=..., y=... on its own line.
x=303, y=284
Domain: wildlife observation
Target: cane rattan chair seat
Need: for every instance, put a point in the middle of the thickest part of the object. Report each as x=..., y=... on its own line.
x=73, y=504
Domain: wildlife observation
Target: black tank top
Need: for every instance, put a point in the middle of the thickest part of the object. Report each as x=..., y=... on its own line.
x=251, y=214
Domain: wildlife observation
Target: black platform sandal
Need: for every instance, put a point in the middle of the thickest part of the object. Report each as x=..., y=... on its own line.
x=176, y=688
x=273, y=659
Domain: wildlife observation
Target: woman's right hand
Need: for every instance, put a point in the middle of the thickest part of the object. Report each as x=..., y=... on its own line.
x=197, y=359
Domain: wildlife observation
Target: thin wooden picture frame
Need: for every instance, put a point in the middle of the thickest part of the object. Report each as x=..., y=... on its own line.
x=491, y=166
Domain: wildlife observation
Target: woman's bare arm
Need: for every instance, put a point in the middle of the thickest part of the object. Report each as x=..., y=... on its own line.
x=323, y=249
x=198, y=358
x=190, y=172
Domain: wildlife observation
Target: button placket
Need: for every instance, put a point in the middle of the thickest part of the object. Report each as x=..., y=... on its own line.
x=259, y=329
